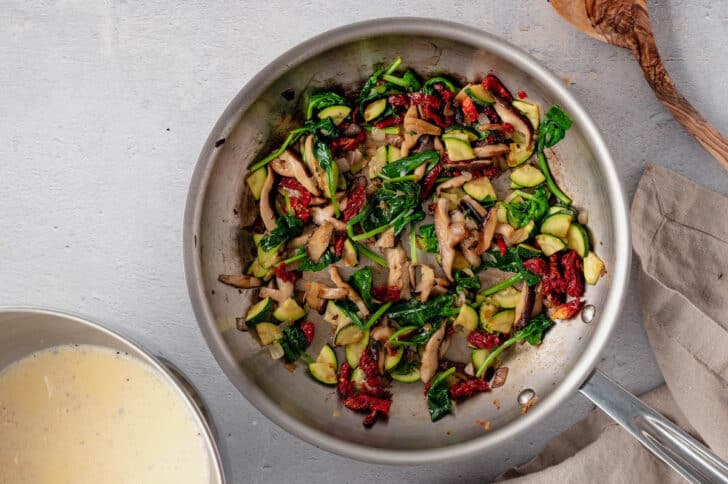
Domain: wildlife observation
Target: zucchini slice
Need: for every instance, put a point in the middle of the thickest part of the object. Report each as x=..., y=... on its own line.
x=257, y=270
x=411, y=377
x=477, y=93
x=530, y=110
x=378, y=162
x=562, y=209
x=256, y=180
x=577, y=239
x=463, y=132
x=481, y=189
x=289, y=310
x=335, y=316
x=353, y=351
x=467, y=318
x=502, y=213
x=336, y=113
x=323, y=369
x=487, y=310
x=267, y=258
x=527, y=176
x=457, y=148
x=350, y=333
x=478, y=356
x=550, y=244
x=393, y=153
x=556, y=224
x=519, y=153
x=259, y=311
x=392, y=360
x=593, y=268
x=501, y=321
x=268, y=333
x=507, y=298
x=375, y=109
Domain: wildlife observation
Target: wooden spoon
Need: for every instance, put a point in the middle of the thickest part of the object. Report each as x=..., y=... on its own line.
x=625, y=23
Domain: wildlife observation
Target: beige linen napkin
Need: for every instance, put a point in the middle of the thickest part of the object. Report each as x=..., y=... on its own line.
x=680, y=233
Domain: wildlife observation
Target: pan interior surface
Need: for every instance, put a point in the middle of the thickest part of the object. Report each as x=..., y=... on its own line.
x=219, y=204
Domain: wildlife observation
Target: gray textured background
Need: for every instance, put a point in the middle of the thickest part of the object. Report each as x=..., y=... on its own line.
x=105, y=105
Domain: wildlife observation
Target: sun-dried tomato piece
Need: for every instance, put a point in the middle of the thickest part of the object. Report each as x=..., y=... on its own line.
x=573, y=273
x=466, y=389
x=356, y=197
x=554, y=285
x=537, y=265
x=367, y=403
x=399, y=100
x=299, y=197
x=492, y=115
x=339, y=240
x=444, y=92
x=508, y=129
x=469, y=109
x=345, y=386
x=482, y=340
x=567, y=310
x=308, y=329
x=369, y=365
x=431, y=106
x=386, y=293
x=522, y=94
x=285, y=275
x=428, y=182
x=386, y=122
x=494, y=85
x=347, y=143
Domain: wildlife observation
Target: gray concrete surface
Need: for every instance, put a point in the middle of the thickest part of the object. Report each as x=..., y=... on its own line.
x=105, y=105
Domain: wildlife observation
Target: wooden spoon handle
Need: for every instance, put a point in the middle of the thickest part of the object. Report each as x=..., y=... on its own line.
x=645, y=50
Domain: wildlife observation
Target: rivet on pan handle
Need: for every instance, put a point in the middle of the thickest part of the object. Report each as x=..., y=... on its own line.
x=666, y=440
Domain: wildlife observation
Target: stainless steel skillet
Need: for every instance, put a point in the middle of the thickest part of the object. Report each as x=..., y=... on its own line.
x=218, y=204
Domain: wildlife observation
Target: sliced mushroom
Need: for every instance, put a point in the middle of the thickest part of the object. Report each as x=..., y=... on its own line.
x=302, y=239
x=419, y=172
x=350, y=292
x=444, y=346
x=283, y=292
x=487, y=232
x=489, y=151
x=520, y=123
x=438, y=146
x=474, y=165
x=313, y=165
x=316, y=293
x=455, y=182
x=288, y=164
x=242, y=281
x=490, y=127
x=426, y=282
x=478, y=212
x=468, y=248
x=517, y=236
x=319, y=241
x=430, y=355
x=312, y=298
x=448, y=234
x=381, y=333
x=398, y=276
x=410, y=139
x=505, y=230
x=266, y=211
x=524, y=306
x=420, y=127
x=386, y=240
x=538, y=300
x=320, y=215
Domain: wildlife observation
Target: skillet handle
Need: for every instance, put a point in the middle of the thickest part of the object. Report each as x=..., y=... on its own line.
x=664, y=439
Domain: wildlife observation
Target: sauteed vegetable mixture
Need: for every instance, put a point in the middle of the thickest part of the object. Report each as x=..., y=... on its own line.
x=414, y=214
